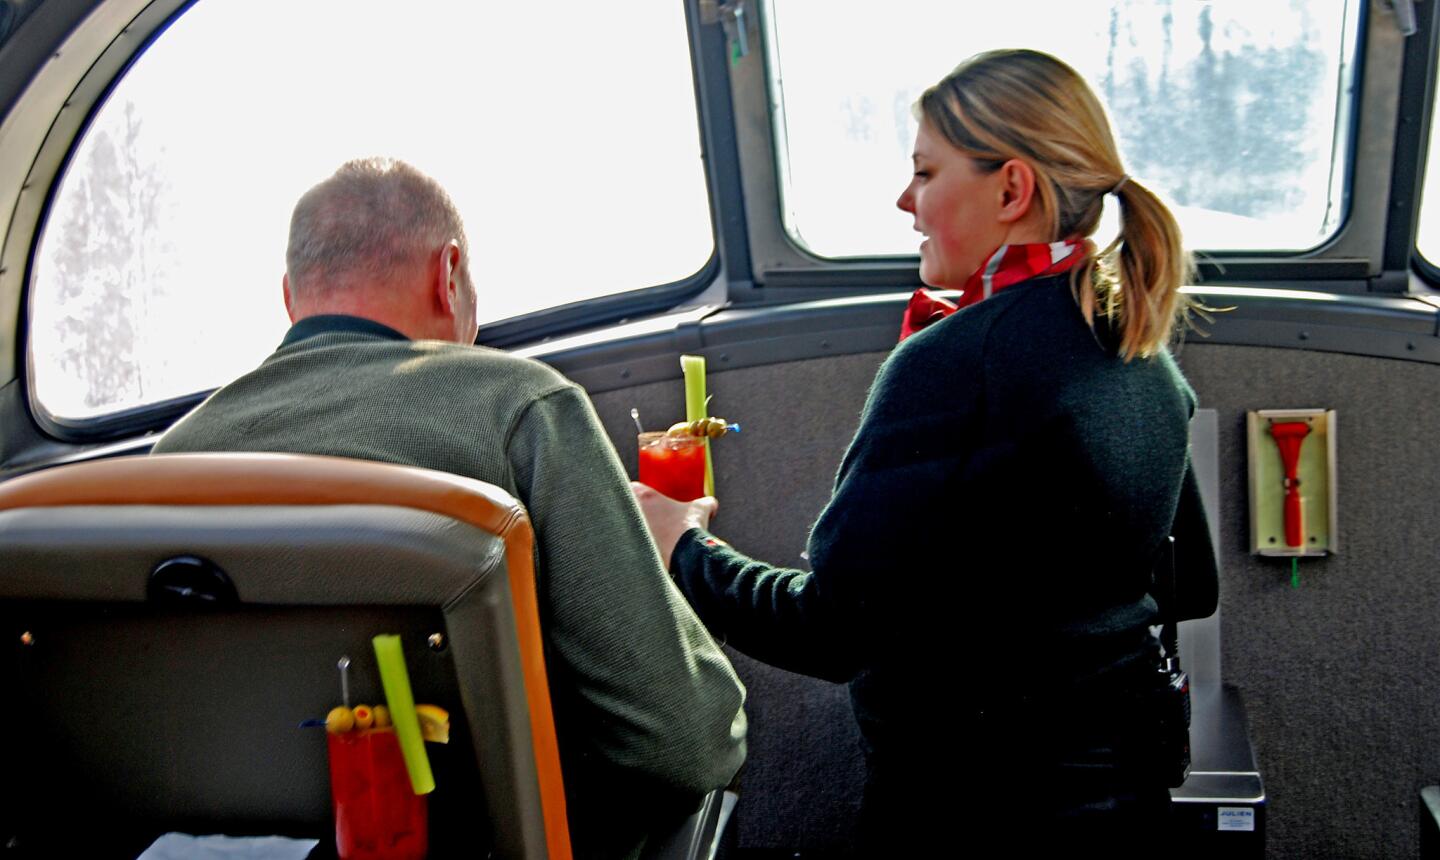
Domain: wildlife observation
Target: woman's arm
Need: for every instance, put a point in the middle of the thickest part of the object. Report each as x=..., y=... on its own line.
x=668, y=519
x=893, y=485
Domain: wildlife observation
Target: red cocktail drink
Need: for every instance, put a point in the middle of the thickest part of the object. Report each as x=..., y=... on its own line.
x=378, y=816
x=673, y=465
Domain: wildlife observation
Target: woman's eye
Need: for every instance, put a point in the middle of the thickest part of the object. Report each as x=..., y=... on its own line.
x=922, y=174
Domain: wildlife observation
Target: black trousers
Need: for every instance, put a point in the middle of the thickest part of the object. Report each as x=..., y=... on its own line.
x=1091, y=802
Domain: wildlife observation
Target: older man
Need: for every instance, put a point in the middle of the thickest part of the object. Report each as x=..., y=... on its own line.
x=380, y=364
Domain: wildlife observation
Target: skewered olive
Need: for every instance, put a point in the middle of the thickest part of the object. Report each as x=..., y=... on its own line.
x=340, y=720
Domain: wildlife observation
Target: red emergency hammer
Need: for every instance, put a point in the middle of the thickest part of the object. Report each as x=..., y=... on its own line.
x=1289, y=436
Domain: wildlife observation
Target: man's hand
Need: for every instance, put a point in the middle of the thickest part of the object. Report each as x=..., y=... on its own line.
x=669, y=519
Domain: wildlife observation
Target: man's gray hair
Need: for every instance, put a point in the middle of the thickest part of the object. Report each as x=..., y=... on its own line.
x=371, y=217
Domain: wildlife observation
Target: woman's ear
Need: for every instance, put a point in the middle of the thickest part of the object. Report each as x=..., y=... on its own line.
x=1017, y=188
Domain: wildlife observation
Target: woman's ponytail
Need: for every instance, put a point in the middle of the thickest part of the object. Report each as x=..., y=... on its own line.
x=1135, y=281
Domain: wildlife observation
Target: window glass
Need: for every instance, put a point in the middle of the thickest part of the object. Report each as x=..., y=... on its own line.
x=567, y=136
x=1427, y=235
x=1234, y=111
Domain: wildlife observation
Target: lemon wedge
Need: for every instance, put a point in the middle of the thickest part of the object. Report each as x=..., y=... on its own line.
x=434, y=723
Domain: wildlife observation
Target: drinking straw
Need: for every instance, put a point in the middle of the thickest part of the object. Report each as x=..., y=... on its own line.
x=693, y=366
x=344, y=665
x=402, y=712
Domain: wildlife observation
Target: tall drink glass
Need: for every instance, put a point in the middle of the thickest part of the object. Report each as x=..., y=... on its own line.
x=673, y=465
x=378, y=816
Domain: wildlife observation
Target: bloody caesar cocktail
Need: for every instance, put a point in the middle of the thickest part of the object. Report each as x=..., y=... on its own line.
x=673, y=465
x=378, y=816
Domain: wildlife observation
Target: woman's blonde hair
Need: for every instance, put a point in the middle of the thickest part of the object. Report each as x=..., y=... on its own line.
x=1023, y=104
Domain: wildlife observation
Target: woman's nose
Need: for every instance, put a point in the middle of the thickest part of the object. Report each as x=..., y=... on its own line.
x=906, y=201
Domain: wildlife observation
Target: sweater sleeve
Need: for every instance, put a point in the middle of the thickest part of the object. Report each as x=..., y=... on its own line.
x=1197, y=584
x=773, y=614
x=866, y=546
x=649, y=692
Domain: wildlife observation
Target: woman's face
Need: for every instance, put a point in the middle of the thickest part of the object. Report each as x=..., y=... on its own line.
x=956, y=206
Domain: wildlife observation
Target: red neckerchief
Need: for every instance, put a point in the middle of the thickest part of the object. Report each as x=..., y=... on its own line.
x=1009, y=265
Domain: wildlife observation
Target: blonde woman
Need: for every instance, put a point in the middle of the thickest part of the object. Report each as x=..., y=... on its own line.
x=996, y=520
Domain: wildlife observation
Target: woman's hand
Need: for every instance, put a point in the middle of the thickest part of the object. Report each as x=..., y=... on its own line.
x=669, y=519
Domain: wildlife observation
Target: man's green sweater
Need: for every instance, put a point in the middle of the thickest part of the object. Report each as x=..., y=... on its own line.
x=647, y=708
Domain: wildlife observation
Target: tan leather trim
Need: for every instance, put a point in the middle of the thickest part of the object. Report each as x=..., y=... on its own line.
x=296, y=479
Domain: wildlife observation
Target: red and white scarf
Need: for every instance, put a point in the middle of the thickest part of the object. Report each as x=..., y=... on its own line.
x=1009, y=265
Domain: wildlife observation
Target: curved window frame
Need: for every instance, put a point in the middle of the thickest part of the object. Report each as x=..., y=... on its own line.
x=1419, y=101
x=124, y=42
x=1349, y=262
x=735, y=131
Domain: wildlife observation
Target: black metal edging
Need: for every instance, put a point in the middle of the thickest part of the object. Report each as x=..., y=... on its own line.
x=596, y=312
x=709, y=52
x=740, y=337
x=1411, y=140
x=813, y=274
x=527, y=328
x=1388, y=328
x=880, y=274
x=1417, y=97
x=129, y=43
x=731, y=258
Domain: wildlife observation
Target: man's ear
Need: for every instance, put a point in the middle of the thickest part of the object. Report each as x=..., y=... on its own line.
x=1017, y=189
x=289, y=300
x=447, y=274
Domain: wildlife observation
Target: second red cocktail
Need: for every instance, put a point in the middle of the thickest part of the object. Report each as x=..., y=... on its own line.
x=378, y=816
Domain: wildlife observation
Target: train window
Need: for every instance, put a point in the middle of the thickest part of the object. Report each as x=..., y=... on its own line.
x=1427, y=233
x=1234, y=111
x=573, y=152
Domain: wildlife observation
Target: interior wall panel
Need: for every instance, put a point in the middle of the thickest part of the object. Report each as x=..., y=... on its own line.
x=1340, y=676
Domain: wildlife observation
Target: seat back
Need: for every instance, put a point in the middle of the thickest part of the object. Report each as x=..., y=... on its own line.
x=138, y=703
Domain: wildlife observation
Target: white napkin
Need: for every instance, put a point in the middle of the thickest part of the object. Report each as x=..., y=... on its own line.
x=183, y=846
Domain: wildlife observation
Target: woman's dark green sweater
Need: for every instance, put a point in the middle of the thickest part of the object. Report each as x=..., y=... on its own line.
x=990, y=540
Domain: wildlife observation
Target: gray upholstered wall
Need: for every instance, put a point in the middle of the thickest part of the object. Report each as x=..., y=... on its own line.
x=1341, y=676
x=801, y=787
